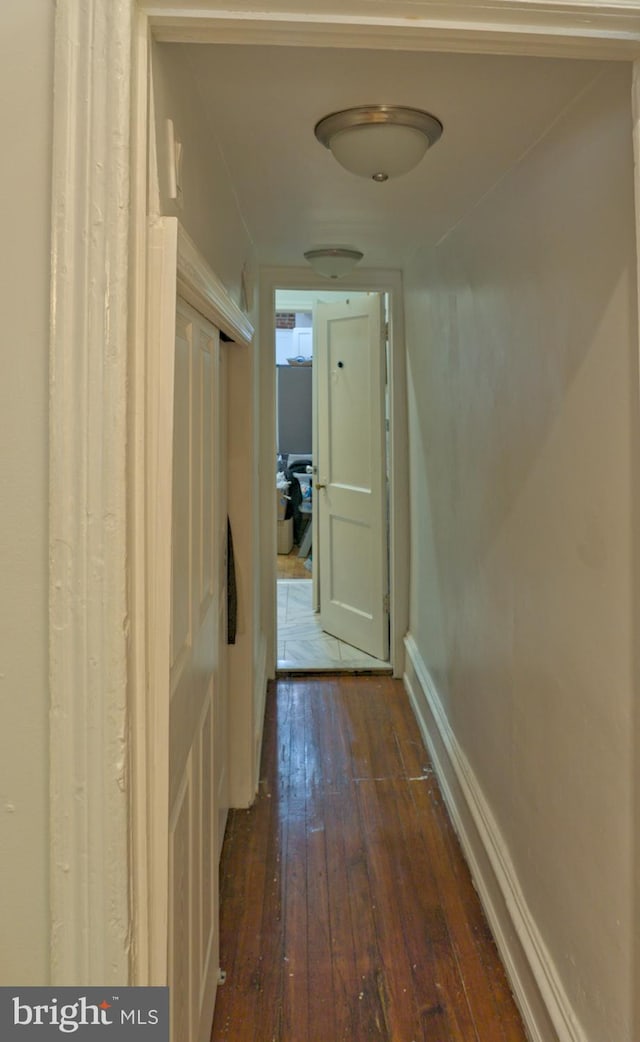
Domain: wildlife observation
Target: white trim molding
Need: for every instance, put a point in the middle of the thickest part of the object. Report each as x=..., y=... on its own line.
x=152, y=737
x=141, y=842
x=635, y=112
x=202, y=288
x=538, y=990
x=89, y=813
x=573, y=28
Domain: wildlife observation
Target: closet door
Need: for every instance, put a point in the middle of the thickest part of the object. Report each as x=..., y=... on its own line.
x=197, y=712
x=220, y=687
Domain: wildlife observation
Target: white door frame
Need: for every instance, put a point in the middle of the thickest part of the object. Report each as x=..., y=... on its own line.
x=97, y=386
x=378, y=281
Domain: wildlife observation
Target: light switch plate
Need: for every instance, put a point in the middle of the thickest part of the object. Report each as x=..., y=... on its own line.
x=174, y=164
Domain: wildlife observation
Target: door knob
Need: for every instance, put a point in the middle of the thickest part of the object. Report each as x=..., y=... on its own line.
x=319, y=484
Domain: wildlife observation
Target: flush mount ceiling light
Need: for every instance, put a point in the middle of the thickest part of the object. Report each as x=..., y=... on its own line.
x=378, y=141
x=333, y=261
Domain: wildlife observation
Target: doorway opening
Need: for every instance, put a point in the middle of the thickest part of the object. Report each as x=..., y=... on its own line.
x=332, y=479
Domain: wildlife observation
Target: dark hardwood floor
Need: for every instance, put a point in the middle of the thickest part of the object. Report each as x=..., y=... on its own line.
x=347, y=910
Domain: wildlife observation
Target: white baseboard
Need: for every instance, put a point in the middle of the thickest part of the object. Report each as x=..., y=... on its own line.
x=538, y=991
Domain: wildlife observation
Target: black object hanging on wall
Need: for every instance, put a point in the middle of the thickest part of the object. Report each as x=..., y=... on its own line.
x=232, y=592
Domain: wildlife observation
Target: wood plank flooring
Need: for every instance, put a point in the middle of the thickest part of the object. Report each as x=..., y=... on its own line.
x=347, y=910
x=291, y=566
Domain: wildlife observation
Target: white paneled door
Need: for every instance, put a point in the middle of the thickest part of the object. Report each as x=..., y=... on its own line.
x=350, y=484
x=182, y=764
x=197, y=717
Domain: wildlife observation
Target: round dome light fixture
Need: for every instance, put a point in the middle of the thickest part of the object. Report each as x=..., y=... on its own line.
x=333, y=261
x=379, y=141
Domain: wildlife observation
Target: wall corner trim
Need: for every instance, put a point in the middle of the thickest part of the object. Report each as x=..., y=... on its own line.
x=88, y=506
x=538, y=990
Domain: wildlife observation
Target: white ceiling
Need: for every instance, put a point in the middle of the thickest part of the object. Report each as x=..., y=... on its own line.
x=262, y=104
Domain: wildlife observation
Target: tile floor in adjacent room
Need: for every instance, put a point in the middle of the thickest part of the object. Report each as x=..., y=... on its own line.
x=302, y=644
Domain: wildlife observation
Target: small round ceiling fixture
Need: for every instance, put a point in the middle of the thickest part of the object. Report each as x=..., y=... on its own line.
x=333, y=261
x=379, y=141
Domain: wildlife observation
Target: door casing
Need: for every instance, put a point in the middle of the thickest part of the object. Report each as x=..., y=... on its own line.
x=379, y=281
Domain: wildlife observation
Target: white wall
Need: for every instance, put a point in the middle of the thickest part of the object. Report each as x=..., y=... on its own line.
x=26, y=76
x=210, y=215
x=522, y=349
x=209, y=210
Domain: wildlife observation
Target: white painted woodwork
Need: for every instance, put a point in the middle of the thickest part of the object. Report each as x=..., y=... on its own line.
x=199, y=285
x=302, y=343
x=187, y=617
x=161, y=328
x=350, y=486
x=89, y=508
x=607, y=30
x=219, y=505
x=246, y=680
x=187, y=750
x=197, y=652
x=635, y=116
x=142, y=914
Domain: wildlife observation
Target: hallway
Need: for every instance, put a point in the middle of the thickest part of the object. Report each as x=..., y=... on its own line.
x=347, y=910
